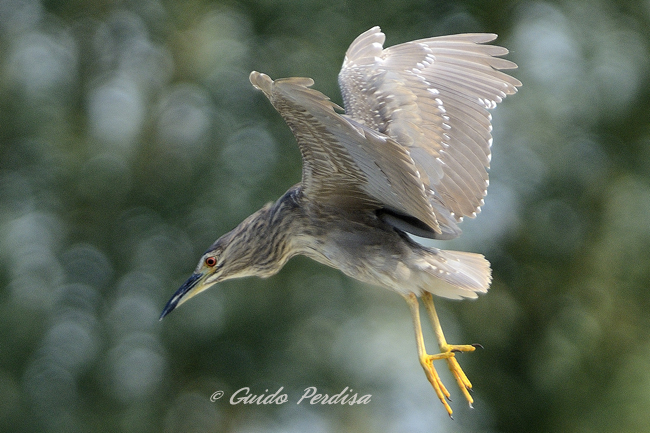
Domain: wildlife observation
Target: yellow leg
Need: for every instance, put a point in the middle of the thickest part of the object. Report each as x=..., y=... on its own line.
x=463, y=382
x=448, y=352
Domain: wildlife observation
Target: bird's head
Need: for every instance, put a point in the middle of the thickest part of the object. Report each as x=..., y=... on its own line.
x=208, y=272
x=251, y=249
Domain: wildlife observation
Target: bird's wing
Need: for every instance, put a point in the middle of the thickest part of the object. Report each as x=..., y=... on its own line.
x=432, y=97
x=344, y=162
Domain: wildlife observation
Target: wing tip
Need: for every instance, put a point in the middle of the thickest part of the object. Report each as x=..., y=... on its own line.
x=368, y=43
x=261, y=82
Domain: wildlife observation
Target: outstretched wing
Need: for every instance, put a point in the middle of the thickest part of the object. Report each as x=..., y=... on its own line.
x=346, y=163
x=432, y=97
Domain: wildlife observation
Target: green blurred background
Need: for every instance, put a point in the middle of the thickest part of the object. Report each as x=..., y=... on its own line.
x=130, y=139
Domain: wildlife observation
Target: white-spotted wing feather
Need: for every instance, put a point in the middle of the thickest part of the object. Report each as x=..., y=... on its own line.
x=432, y=97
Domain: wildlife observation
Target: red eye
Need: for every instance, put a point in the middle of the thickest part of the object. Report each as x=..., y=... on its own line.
x=210, y=261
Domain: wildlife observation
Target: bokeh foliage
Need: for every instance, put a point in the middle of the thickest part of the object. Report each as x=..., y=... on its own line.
x=130, y=139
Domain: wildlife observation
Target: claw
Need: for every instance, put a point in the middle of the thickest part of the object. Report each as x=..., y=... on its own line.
x=478, y=346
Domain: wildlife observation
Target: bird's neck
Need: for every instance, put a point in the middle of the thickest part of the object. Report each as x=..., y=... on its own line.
x=267, y=235
x=281, y=220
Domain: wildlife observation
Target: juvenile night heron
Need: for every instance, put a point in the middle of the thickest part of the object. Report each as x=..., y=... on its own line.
x=410, y=155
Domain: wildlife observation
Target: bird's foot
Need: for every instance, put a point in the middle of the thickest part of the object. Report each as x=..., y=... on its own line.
x=448, y=353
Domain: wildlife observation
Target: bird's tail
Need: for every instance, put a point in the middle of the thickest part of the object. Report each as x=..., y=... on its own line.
x=456, y=274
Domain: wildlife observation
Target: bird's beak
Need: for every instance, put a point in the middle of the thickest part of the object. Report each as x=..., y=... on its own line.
x=194, y=285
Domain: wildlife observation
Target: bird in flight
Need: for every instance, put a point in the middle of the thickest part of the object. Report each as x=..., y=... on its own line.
x=409, y=156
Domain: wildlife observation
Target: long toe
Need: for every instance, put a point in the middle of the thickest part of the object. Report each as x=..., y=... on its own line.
x=432, y=375
x=461, y=347
x=463, y=382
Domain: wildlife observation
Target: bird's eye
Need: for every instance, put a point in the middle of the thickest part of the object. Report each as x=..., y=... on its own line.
x=210, y=261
